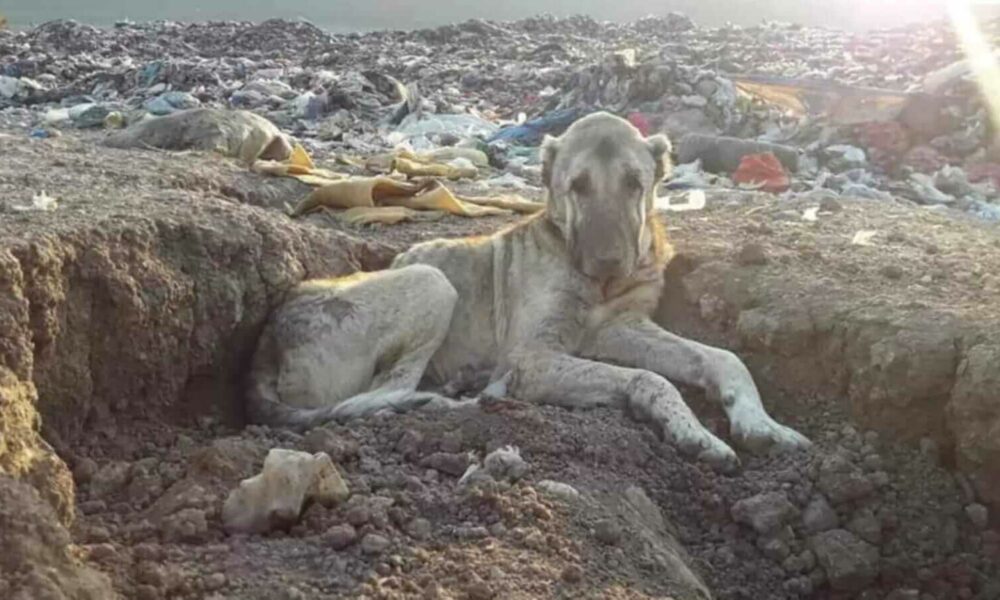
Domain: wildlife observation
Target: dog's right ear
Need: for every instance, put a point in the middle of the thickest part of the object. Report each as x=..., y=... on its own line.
x=548, y=155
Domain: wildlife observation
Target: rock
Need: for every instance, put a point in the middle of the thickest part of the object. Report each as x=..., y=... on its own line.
x=84, y=470
x=774, y=548
x=419, y=529
x=904, y=594
x=374, y=543
x=341, y=536
x=109, y=479
x=454, y=464
x=608, y=532
x=505, y=464
x=841, y=481
x=866, y=526
x=765, y=512
x=850, y=563
x=34, y=543
x=751, y=254
x=188, y=525
x=978, y=515
x=894, y=272
x=479, y=590
x=830, y=205
x=559, y=490
x=274, y=498
x=213, y=582
x=974, y=417
x=358, y=515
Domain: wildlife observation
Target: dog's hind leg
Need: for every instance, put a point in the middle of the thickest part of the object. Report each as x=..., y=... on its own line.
x=638, y=342
x=351, y=347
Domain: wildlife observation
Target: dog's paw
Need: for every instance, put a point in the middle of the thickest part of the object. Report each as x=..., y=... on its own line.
x=759, y=433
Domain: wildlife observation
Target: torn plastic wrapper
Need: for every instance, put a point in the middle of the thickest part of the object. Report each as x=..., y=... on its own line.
x=429, y=195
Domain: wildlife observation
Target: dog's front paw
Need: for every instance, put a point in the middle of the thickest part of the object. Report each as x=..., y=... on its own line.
x=759, y=433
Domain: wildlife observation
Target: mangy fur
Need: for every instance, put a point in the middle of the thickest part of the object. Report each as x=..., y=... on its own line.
x=556, y=308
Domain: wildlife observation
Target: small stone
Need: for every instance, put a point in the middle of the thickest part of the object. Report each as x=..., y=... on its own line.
x=850, y=564
x=151, y=573
x=892, y=272
x=559, y=490
x=102, y=552
x=608, y=532
x=374, y=543
x=188, y=525
x=339, y=537
x=572, y=574
x=479, y=590
x=109, y=479
x=147, y=592
x=751, y=254
x=866, y=526
x=84, y=470
x=830, y=205
x=775, y=549
x=453, y=464
x=213, y=582
x=978, y=515
x=419, y=529
x=358, y=515
x=765, y=512
x=339, y=448
x=904, y=594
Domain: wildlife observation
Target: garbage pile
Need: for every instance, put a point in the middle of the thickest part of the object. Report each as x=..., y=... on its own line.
x=890, y=115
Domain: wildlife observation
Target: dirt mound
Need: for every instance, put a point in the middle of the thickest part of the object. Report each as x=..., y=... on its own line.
x=130, y=309
x=38, y=559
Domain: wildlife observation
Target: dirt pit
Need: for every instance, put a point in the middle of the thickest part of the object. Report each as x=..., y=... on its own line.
x=133, y=306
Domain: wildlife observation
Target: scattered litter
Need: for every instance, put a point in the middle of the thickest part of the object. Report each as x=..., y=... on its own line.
x=863, y=238
x=40, y=202
x=694, y=200
x=811, y=214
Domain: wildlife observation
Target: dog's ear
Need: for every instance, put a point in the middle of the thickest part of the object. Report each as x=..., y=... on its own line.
x=550, y=145
x=660, y=147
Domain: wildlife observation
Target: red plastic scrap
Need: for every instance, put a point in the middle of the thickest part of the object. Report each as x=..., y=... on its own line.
x=640, y=122
x=766, y=169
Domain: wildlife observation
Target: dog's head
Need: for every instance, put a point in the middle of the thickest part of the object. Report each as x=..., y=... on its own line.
x=600, y=178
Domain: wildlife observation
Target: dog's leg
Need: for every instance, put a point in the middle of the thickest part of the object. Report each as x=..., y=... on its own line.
x=563, y=380
x=639, y=342
x=352, y=348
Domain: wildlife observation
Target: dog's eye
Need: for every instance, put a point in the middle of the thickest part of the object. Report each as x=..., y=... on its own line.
x=580, y=185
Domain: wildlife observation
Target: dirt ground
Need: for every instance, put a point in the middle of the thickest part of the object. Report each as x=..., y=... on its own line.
x=131, y=308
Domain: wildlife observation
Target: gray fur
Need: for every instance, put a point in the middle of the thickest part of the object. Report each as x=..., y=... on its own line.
x=558, y=306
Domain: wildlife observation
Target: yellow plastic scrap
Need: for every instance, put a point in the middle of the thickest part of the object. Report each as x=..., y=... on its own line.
x=415, y=168
x=301, y=158
x=387, y=215
x=383, y=199
x=511, y=202
x=383, y=191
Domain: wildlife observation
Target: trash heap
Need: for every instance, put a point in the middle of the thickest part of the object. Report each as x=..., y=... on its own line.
x=890, y=115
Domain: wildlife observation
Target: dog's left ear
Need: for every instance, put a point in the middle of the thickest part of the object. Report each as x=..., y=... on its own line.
x=660, y=147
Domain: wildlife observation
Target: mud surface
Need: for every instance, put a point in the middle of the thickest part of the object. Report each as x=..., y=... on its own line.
x=129, y=311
